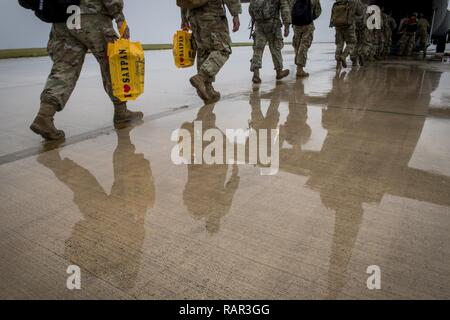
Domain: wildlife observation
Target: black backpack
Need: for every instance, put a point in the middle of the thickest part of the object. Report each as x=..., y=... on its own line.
x=302, y=14
x=50, y=11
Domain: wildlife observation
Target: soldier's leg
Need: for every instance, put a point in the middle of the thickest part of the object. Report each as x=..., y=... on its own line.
x=296, y=40
x=402, y=44
x=218, y=43
x=67, y=54
x=213, y=44
x=350, y=39
x=307, y=37
x=411, y=44
x=276, y=44
x=302, y=54
x=97, y=32
x=340, y=43
x=259, y=44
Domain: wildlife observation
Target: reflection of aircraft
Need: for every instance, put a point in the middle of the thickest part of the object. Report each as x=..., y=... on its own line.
x=365, y=155
x=108, y=241
x=208, y=193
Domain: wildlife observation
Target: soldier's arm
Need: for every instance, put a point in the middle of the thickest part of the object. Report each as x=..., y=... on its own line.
x=234, y=6
x=285, y=9
x=115, y=9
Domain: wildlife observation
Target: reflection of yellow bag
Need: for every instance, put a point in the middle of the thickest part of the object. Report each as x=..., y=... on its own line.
x=127, y=68
x=183, y=49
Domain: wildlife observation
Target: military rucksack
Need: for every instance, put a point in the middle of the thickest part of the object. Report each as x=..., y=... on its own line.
x=50, y=11
x=302, y=14
x=261, y=10
x=341, y=14
x=191, y=4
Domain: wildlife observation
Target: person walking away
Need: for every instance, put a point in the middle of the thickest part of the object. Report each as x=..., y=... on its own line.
x=211, y=35
x=304, y=12
x=67, y=48
x=423, y=29
x=408, y=40
x=265, y=15
x=343, y=19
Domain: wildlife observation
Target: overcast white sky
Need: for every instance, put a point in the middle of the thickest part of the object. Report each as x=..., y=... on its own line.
x=152, y=21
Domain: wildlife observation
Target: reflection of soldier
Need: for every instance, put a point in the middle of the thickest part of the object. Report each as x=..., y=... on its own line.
x=68, y=48
x=361, y=160
x=295, y=130
x=208, y=193
x=108, y=241
x=268, y=30
x=363, y=44
x=212, y=39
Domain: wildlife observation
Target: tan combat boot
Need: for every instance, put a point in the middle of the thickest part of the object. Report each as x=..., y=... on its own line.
x=122, y=114
x=199, y=82
x=43, y=124
x=282, y=74
x=212, y=93
x=301, y=73
x=256, y=78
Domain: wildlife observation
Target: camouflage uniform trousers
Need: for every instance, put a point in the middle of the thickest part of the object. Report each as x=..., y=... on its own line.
x=68, y=49
x=303, y=38
x=381, y=42
x=213, y=43
x=267, y=32
x=407, y=43
x=363, y=46
x=388, y=43
x=423, y=41
x=345, y=37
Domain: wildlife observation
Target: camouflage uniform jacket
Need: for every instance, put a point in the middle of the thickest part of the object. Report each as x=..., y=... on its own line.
x=215, y=8
x=110, y=8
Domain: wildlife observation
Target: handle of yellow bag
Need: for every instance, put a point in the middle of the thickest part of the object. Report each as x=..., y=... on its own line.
x=123, y=29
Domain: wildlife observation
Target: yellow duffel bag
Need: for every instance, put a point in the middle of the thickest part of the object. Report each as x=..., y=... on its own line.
x=183, y=49
x=127, y=67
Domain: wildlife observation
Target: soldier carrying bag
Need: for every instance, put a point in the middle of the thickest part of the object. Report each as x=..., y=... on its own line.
x=341, y=15
x=191, y=4
x=50, y=11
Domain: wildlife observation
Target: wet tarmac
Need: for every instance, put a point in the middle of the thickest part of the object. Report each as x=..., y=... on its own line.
x=364, y=179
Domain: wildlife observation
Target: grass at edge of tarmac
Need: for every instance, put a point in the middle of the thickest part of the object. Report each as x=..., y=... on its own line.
x=42, y=52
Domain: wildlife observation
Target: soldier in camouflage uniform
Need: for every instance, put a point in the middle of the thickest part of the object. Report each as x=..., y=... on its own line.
x=211, y=34
x=68, y=48
x=268, y=30
x=379, y=34
x=363, y=44
x=422, y=32
x=408, y=40
x=389, y=27
x=346, y=35
x=303, y=38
